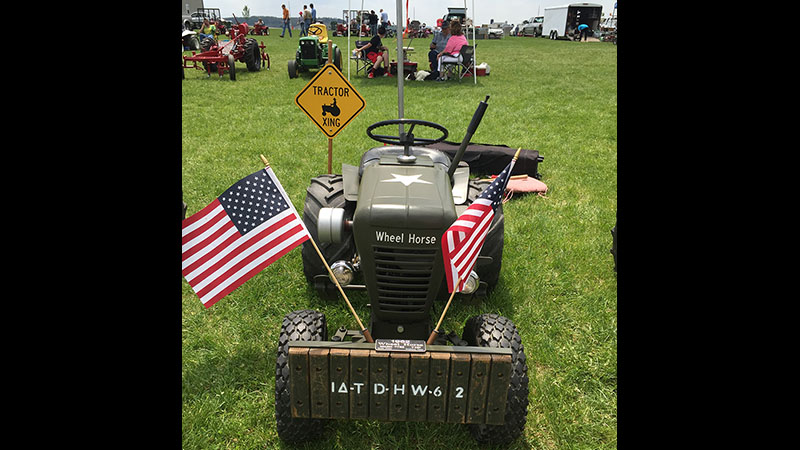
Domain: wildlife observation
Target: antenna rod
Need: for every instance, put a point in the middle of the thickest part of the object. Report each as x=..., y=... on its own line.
x=400, y=112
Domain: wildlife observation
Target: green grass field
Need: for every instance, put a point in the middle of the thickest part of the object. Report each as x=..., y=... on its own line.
x=557, y=282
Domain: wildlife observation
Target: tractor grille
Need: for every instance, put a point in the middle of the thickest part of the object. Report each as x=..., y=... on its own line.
x=308, y=50
x=403, y=278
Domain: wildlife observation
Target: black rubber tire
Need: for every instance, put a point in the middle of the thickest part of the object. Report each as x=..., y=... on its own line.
x=292, y=69
x=614, y=244
x=252, y=55
x=337, y=59
x=232, y=67
x=493, y=330
x=325, y=191
x=205, y=45
x=303, y=325
x=493, y=246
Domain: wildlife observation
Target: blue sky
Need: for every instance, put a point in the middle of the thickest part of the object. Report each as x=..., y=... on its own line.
x=427, y=11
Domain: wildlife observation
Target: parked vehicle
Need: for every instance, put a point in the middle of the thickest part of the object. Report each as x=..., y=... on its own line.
x=608, y=24
x=532, y=27
x=212, y=14
x=560, y=22
x=312, y=51
x=455, y=13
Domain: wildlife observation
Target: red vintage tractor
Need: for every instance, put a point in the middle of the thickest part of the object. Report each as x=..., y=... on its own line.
x=260, y=29
x=220, y=57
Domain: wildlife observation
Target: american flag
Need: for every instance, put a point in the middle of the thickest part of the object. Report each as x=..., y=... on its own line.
x=240, y=233
x=462, y=242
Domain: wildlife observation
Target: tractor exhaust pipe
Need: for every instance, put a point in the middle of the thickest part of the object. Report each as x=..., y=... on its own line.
x=473, y=125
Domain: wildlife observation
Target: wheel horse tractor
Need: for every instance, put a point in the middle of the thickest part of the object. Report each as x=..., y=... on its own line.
x=312, y=51
x=380, y=226
x=221, y=58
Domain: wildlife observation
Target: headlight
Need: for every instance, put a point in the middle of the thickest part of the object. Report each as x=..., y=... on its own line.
x=471, y=284
x=343, y=271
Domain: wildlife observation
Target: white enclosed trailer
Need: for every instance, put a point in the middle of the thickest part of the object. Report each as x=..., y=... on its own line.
x=560, y=21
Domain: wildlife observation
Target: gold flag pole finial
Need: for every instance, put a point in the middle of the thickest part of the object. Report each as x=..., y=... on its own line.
x=264, y=160
x=517, y=154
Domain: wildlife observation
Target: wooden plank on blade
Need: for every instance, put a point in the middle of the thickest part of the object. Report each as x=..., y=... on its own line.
x=499, y=379
x=478, y=388
x=379, y=380
x=419, y=388
x=398, y=385
x=299, y=394
x=439, y=373
x=318, y=373
x=457, y=392
x=340, y=383
x=359, y=382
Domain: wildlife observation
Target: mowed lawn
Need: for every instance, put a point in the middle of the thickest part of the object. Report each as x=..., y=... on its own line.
x=557, y=282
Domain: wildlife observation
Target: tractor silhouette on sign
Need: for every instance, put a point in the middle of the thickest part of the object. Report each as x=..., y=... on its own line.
x=332, y=108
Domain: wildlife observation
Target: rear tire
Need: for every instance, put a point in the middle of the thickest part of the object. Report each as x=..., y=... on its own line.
x=325, y=191
x=337, y=59
x=493, y=330
x=292, y=69
x=252, y=57
x=303, y=325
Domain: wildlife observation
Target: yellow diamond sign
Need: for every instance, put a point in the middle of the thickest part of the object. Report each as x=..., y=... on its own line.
x=330, y=101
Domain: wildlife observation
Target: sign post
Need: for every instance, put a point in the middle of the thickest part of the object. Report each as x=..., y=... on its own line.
x=330, y=101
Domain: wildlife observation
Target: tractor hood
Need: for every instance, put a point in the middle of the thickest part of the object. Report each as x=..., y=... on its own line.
x=405, y=196
x=402, y=212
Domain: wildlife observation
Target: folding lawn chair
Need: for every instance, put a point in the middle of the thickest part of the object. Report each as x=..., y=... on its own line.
x=465, y=64
x=363, y=64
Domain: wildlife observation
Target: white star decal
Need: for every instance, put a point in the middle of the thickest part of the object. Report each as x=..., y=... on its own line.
x=406, y=179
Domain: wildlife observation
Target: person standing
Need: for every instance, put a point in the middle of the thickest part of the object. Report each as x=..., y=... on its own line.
x=306, y=18
x=302, y=24
x=313, y=13
x=373, y=22
x=384, y=18
x=584, y=30
x=286, y=23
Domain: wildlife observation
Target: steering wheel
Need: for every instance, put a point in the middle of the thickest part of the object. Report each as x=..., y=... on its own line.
x=408, y=138
x=316, y=31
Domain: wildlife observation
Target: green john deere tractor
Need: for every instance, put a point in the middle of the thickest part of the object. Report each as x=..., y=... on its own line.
x=312, y=52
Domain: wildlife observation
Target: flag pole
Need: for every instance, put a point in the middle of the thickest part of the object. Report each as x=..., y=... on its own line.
x=436, y=330
x=364, y=330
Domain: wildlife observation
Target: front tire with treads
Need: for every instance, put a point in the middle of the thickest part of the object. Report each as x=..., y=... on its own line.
x=303, y=325
x=496, y=331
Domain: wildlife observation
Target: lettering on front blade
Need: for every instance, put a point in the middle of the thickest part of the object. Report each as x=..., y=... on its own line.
x=417, y=390
x=405, y=238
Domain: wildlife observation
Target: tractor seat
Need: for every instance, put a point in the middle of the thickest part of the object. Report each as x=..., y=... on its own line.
x=320, y=31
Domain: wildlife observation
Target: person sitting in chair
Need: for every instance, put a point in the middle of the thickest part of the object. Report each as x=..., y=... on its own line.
x=377, y=53
x=450, y=54
x=207, y=30
x=438, y=43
